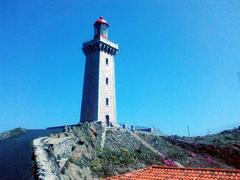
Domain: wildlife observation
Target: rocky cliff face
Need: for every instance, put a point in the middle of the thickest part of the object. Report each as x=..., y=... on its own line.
x=90, y=151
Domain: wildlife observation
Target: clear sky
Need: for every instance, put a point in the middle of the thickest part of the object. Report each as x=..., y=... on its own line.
x=177, y=65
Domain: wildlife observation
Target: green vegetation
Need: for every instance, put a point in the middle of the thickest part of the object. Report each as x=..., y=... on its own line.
x=108, y=159
x=231, y=136
x=171, y=151
x=177, y=154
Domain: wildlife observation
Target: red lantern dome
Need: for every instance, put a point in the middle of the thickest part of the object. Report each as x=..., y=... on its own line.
x=101, y=20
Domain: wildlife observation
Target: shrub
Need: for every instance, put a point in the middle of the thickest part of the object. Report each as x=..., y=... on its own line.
x=109, y=160
x=176, y=154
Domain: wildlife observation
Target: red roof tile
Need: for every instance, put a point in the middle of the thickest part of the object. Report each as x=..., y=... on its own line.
x=175, y=173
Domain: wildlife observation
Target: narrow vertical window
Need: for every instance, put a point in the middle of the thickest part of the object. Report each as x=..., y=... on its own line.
x=106, y=81
x=106, y=61
x=107, y=101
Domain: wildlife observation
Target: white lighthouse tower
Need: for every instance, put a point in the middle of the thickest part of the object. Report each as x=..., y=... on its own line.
x=98, y=99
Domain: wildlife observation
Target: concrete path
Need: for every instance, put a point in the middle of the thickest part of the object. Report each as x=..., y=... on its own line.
x=103, y=137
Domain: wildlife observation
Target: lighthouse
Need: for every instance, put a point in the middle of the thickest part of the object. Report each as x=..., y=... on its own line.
x=98, y=98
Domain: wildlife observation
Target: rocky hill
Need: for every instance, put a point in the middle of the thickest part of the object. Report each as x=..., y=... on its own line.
x=12, y=133
x=224, y=146
x=91, y=151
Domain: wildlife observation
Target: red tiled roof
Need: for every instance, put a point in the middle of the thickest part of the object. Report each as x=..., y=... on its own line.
x=175, y=173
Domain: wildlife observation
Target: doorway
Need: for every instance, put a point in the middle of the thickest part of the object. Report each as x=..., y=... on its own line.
x=107, y=120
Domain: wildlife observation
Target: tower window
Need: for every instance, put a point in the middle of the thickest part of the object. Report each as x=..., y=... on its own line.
x=106, y=61
x=107, y=81
x=107, y=101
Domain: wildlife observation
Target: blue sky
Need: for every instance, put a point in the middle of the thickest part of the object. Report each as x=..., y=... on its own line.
x=177, y=65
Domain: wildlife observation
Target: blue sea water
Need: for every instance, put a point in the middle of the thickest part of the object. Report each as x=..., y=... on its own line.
x=16, y=155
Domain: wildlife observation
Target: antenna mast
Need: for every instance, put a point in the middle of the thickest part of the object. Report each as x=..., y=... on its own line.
x=188, y=131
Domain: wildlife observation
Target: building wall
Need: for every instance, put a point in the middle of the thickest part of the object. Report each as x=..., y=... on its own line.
x=106, y=90
x=95, y=89
x=89, y=110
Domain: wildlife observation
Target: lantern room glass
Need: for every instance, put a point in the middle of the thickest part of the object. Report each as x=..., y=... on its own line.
x=100, y=30
x=104, y=30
